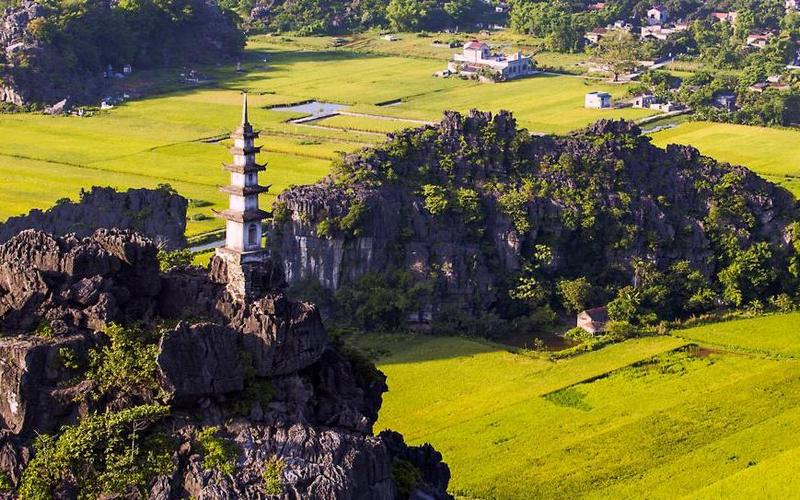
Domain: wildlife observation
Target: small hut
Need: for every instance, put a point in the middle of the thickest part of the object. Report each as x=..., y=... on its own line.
x=593, y=320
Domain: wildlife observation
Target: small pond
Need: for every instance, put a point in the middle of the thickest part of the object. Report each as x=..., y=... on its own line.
x=313, y=108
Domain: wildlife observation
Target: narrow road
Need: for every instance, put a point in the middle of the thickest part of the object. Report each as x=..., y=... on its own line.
x=206, y=246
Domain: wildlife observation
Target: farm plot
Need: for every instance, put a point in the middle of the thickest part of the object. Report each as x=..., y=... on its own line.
x=380, y=125
x=650, y=417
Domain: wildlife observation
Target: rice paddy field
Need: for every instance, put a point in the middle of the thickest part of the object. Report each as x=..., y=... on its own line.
x=180, y=137
x=708, y=412
x=771, y=152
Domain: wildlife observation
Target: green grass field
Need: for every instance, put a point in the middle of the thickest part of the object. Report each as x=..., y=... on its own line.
x=773, y=153
x=648, y=418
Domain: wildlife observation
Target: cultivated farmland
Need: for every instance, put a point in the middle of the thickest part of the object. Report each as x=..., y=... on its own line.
x=180, y=137
x=658, y=417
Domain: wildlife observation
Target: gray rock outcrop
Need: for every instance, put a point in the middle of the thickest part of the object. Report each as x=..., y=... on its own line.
x=264, y=373
x=158, y=214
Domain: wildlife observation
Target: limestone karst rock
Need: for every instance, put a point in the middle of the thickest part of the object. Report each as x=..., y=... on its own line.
x=596, y=199
x=159, y=214
x=264, y=373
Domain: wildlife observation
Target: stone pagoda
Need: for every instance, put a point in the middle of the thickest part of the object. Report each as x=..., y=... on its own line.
x=241, y=262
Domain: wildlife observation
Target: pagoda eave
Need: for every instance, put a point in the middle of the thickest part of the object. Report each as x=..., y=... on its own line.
x=247, y=151
x=244, y=191
x=245, y=134
x=244, y=169
x=242, y=217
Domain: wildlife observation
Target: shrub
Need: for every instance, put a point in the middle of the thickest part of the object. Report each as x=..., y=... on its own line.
x=381, y=300
x=273, y=476
x=218, y=453
x=168, y=260
x=575, y=294
x=351, y=223
x=43, y=329
x=325, y=228
x=5, y=483
x=68, y=358
x=102, y=454
x=280, y=213
x=406, y=477
x=435, y=199
x=195, y=203
x=256, y=389
x=127, y=366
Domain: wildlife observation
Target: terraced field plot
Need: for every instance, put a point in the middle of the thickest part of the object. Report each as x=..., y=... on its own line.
x=648, y=418
x=773, y=153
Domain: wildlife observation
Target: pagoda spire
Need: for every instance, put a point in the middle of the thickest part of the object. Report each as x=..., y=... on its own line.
x=244, y=108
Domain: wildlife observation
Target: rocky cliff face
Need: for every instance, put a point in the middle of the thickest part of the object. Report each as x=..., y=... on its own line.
x=158, y=214
x=263, y=373
x=473, y=200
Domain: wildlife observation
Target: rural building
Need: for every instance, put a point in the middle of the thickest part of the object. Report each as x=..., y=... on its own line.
x=390, y=38
x=477, y=57
x=725, y=100
x=657, y=15
x=666, y=107
x=725, y=17
x=597, y=6
x=593, y=320
x=127, y=69
x=620, y=25
x=759, y=40
x=597, y=100
x=792, y=5
x=594, y=36
x=644, y=101
x=762, y=86
x=502, y=8
x=659, y=32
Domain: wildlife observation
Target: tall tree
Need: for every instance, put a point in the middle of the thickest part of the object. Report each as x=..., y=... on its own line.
x=618, y=51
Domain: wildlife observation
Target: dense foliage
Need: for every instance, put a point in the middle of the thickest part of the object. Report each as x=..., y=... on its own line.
x=338, y=16
x=600, y=217
x=109, y=453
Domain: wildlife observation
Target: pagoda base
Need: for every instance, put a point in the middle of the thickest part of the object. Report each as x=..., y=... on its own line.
x=247, y=275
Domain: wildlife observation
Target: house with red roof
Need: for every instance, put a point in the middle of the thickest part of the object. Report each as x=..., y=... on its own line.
x=477, y=58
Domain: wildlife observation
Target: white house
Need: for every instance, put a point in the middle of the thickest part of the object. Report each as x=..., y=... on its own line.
x=597, y=100
x=476, y=56
x=792, y=5
x=644, y=101
x=657, y=15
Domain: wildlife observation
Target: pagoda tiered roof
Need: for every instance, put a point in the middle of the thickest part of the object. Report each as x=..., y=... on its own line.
x=244, y=191
x=244, y=169
x=245, y=151
x=246, y=216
